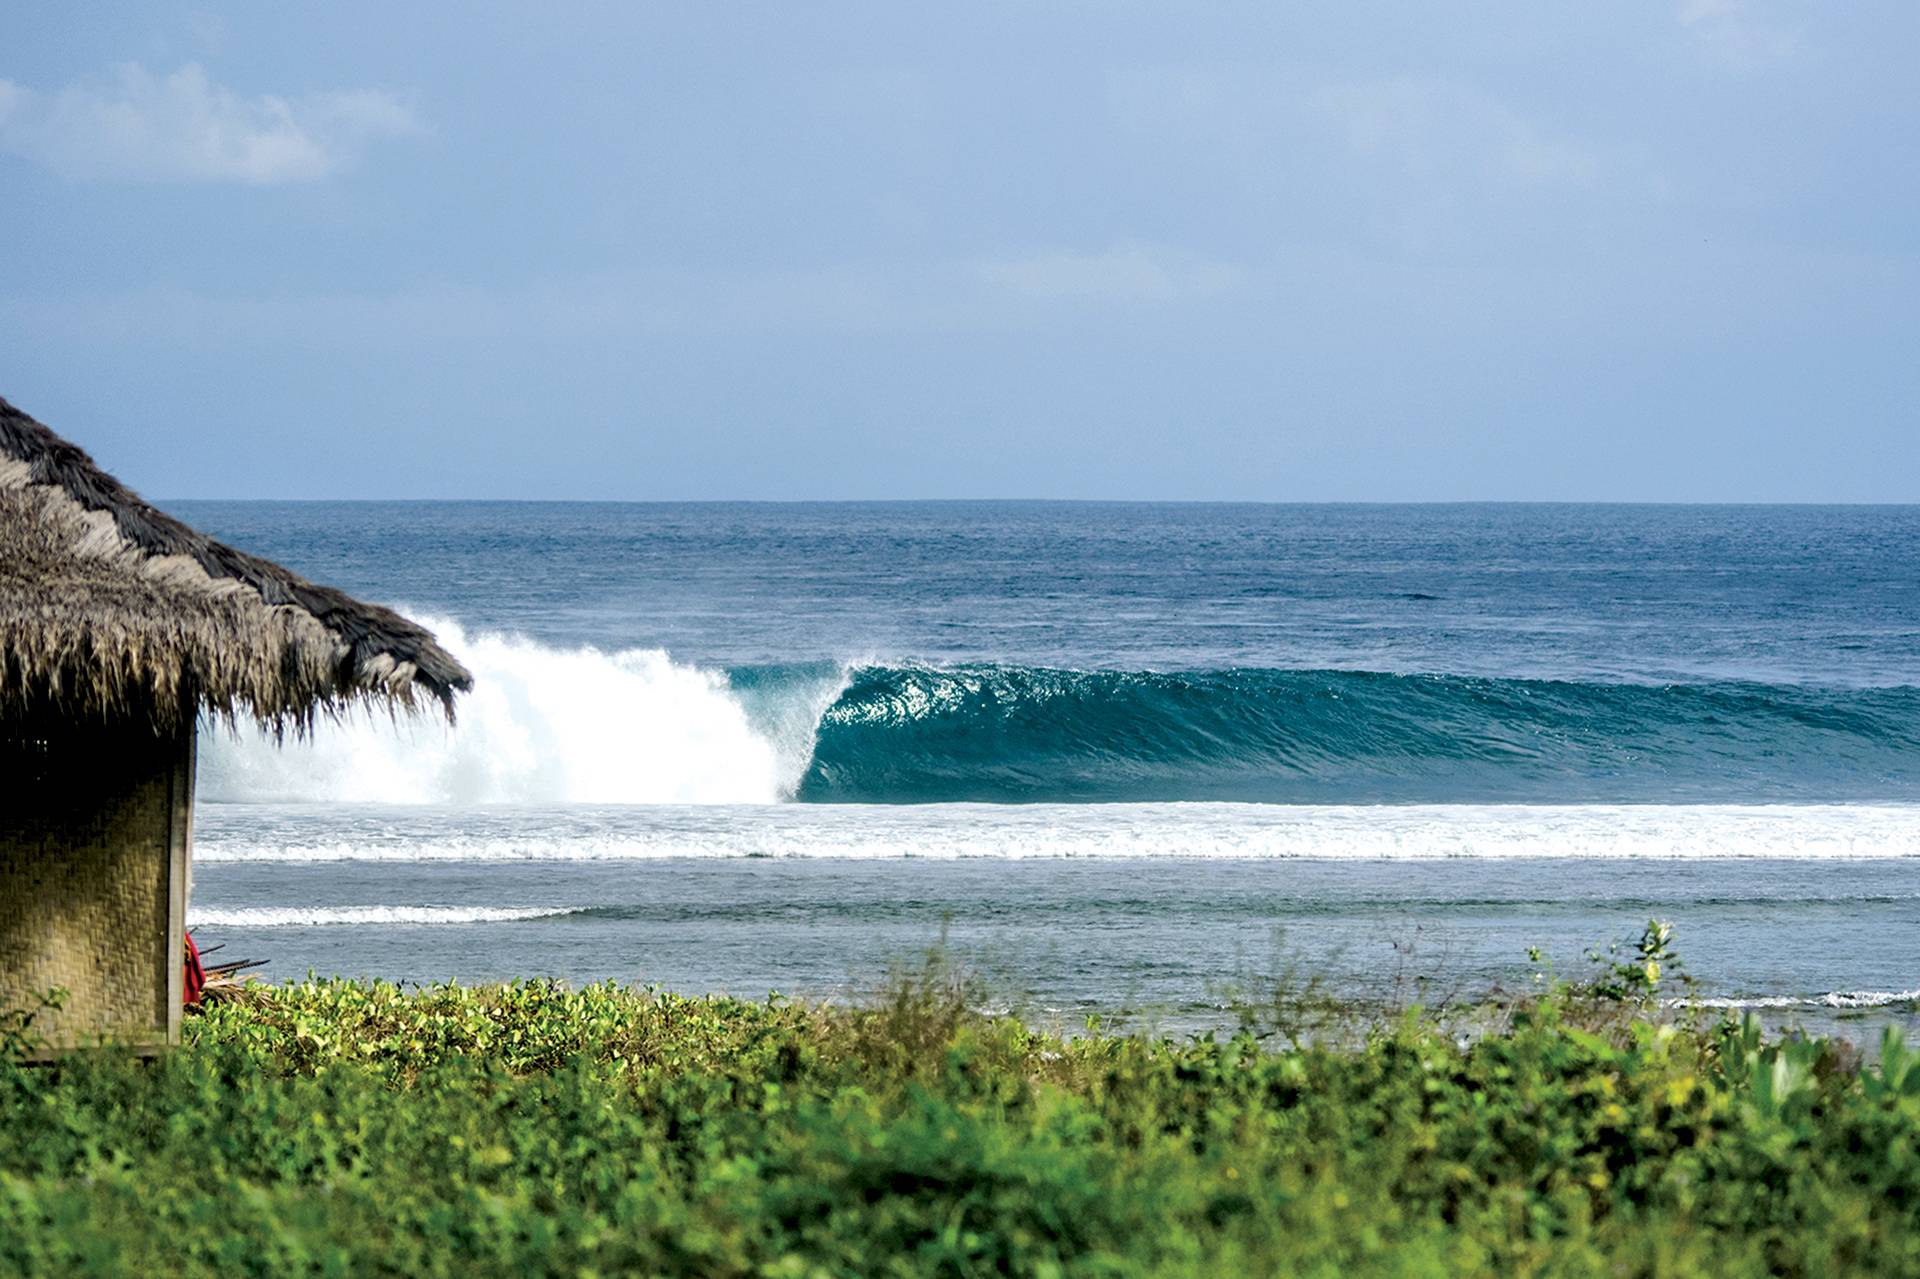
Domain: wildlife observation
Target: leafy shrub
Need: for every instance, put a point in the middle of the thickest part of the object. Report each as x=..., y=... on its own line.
x=18, y=1038
x=347, y=1128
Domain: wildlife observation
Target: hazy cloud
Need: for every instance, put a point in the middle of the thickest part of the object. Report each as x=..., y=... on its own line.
x=1730, y=34
x=991, y=294
x=182, y=127
x=1436, y=127
x=1122, y=273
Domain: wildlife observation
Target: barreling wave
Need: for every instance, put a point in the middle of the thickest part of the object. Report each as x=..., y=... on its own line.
x=915, y=734
x=582, y=726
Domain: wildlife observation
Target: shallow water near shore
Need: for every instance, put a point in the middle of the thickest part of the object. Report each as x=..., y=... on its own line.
x=1804, y=931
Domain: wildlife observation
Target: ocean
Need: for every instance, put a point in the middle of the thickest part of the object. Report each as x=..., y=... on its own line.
x=1113, y=757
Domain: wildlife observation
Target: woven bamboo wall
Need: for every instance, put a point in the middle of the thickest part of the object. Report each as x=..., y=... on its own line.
x=93, y=863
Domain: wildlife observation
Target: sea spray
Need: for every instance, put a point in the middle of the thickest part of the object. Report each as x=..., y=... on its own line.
x=543, y=725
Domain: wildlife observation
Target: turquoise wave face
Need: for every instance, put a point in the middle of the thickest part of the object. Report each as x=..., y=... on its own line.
x=1017, y=733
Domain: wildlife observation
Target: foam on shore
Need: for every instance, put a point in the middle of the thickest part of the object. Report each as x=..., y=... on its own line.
x=327, y=916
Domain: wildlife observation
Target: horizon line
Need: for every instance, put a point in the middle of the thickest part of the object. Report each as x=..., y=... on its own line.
x=1050, y=501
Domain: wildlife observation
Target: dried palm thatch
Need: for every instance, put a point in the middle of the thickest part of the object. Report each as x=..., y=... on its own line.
x=112, y=611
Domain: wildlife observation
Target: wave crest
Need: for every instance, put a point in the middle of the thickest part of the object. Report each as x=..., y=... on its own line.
x=1022, y=733
x=580, y=726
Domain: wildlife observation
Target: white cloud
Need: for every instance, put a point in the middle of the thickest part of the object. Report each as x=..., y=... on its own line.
x=185, y=128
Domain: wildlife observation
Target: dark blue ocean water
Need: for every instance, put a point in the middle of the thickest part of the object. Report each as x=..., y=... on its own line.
x=1204, y=695
x=1763, y=594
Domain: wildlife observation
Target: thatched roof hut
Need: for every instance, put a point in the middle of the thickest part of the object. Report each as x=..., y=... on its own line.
x=118, y=626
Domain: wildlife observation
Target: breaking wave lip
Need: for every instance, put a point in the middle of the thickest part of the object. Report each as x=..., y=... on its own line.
x=1831, y=999
x=331, y=916
x=545, y=724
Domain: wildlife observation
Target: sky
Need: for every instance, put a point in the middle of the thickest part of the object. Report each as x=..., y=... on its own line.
x=1302, y=252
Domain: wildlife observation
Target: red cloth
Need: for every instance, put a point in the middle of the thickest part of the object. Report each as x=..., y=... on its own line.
x=196, y=976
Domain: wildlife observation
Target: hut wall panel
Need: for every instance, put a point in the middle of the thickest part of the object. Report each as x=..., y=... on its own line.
x=92, y=882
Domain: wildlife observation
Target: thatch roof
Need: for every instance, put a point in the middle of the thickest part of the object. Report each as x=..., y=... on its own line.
x=110, y=609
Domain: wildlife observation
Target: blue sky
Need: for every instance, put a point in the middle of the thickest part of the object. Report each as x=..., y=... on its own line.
x=1664, y=251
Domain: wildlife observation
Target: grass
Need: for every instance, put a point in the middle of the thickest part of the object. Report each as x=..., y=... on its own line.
x=342, y=1128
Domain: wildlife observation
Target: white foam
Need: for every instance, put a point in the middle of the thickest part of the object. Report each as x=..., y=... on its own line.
x=542, y=725
x=1309, y=832
x=324, y=916
x=1832, y=999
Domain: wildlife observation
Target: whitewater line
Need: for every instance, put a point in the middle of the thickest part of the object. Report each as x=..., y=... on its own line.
x=329, y=916
x=265, y=833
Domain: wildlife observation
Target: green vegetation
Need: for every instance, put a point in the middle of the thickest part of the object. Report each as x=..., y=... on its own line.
x=335, y=1128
